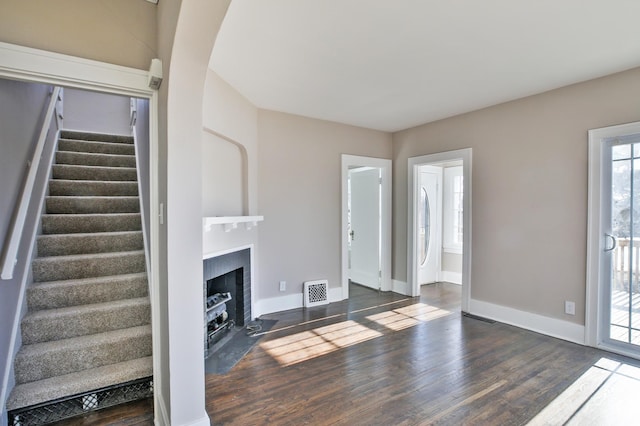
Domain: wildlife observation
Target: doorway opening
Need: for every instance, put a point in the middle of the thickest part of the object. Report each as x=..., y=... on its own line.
x=37, y=66
x=439, y=221
x=366, y=223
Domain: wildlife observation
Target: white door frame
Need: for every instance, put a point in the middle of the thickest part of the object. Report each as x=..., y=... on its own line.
x=385, y=237
x=414, y=164
x=40, y=66
x=595, y=229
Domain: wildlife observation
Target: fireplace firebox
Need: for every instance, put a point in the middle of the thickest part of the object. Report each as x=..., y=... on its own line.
x=227, y=295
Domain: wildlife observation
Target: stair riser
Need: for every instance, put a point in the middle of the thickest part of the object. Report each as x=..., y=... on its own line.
x=92, y=188
x=63, y=224
x=86, y=136
x=84, y=292
x=61, y=268
x=55, y=363
x=84, y=205
x=83, y=322
x=65, y=171
x=89, y=159
x=67, y=244
x=33, y=393
x=96, y=147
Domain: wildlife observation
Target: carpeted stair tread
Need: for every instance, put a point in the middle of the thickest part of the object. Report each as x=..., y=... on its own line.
x=98, y=137
x=60, y=294
x=55, y=268
x=81, y=223
x=69, y=187
x=32, y=393
x=97, y=147
x=63, y=323
x=94, y=159
x=43, y=360
x=76, y=172
x=88, y=243
x=80, y=204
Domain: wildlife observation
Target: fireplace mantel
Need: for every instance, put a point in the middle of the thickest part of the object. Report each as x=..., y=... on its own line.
x=231, y=222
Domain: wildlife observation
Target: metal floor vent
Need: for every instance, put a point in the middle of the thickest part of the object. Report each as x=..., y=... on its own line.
x=316, y=293
x=77, y=405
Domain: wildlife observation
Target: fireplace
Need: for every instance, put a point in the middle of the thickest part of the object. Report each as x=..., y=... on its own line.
x=227, y=295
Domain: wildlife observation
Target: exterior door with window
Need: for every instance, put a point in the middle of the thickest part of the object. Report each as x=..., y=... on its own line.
x=429, y=229
x=620, y=293
x=613, y=257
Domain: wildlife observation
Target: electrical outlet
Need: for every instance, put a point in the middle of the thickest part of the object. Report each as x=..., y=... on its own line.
x=569, y=307
x=283, y=286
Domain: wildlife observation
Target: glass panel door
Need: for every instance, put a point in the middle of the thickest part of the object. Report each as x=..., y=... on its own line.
x=621, y=295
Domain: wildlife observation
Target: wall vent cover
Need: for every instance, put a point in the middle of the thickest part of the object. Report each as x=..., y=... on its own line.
x=316, y=293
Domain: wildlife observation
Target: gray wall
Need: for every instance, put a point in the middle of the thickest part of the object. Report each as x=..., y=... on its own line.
x=529, y=190
x=299, y=195
x=142, y=151
x=96, y=112
x=120, y=32
x=22, y=107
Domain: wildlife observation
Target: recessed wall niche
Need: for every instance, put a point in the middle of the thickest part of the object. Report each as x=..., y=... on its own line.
x=224, y=177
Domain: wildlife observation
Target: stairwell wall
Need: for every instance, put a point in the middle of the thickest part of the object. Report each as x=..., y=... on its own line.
x=119, y=32
x=142, y=154
x=22, y=108
x=96, y=112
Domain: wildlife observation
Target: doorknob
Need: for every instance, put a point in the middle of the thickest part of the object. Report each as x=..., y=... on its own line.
x=613, y=242
x=351, y=234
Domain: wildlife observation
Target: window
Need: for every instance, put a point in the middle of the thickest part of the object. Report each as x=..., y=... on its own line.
x=452, y=212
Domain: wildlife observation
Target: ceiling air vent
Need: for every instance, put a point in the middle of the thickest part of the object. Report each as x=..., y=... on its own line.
x=316, y=293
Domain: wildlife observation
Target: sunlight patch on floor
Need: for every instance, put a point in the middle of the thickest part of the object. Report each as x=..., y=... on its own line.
x=307, y=345
x=604, y=394
x=408, y=316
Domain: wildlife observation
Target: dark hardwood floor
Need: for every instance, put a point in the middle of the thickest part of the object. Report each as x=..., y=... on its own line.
x=383, y=359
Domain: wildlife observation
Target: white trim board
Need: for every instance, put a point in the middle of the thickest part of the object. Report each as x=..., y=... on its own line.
x=28, y=64
x=553, y=327
x=451, y=277
x=291, y=301
x=400, y=287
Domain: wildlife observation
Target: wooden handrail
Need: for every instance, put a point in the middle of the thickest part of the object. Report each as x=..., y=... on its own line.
x=10, y=254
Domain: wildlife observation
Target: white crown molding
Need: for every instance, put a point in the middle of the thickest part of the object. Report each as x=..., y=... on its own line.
x=25, y=63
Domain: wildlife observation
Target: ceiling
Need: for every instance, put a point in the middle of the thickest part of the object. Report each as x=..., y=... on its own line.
x=391, y=65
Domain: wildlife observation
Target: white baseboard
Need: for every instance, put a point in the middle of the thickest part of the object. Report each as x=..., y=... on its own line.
x=161, y=416
x=335, y=294
x=364, y=278
x=400, y=287
x=278, y=304
x=291, y=301
x=451, y=277
x=202, y=421
x=553, y=327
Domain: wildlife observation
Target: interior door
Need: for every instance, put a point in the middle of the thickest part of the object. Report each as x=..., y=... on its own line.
x=429, y=245
x=620, y=291
x=364, y=226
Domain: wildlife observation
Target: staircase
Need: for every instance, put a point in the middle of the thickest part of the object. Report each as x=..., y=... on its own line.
x=87, y=329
